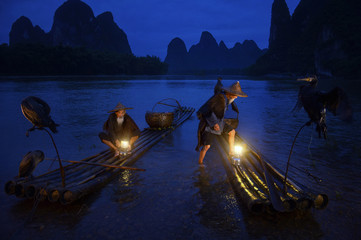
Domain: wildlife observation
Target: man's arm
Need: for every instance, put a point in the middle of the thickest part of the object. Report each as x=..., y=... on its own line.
x=213, y=121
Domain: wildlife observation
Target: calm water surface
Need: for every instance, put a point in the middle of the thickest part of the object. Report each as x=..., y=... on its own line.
x=174, y=198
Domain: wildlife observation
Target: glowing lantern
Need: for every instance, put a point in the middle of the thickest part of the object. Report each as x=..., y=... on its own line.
x=238, y=152
x=124, y=146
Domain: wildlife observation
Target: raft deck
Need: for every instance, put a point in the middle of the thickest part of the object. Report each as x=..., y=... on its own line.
x=83, y=179
x=260, y=186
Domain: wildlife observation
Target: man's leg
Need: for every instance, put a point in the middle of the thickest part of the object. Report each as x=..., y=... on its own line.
x=231, y=135
x=202, y=153
x=104, y=138
x=110, y=144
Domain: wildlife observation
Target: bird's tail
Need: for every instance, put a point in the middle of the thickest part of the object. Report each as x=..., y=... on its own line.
x=53, y=125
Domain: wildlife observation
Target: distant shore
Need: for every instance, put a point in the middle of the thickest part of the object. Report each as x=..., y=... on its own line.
x=154, y=77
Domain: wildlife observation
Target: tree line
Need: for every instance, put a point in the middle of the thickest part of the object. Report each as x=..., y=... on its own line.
x=37, y=59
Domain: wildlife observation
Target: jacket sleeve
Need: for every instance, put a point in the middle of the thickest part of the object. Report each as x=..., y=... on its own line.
x=134, y=129
x=212, y=120
x=110, y=128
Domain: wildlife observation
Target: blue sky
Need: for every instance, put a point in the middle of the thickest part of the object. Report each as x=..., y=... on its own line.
x=151, y=24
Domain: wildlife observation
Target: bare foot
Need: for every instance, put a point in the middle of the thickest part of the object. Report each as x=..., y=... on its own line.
x=116, y=153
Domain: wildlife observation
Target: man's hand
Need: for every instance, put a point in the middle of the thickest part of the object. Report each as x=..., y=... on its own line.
x=216, y=127
x=117, y=143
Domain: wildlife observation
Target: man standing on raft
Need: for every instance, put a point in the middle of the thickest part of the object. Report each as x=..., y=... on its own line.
x=211, y=116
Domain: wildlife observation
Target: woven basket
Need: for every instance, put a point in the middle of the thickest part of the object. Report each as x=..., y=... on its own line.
x=160, y=119
x=233, y=122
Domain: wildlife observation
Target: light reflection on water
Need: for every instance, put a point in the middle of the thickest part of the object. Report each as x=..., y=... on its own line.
x=174, y=198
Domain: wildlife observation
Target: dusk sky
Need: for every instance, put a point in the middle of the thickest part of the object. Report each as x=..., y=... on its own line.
x=151, y=24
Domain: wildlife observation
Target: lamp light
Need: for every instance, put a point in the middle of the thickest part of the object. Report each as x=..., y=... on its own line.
x=238, y=150
x=124, y=146
x=238, y=153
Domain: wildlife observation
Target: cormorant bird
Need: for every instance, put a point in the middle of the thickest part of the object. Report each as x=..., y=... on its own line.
x=29, y=163
x=37, y=112
x=315, y=103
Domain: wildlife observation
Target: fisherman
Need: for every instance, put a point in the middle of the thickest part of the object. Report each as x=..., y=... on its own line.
x=211, y=116
x=119, y=127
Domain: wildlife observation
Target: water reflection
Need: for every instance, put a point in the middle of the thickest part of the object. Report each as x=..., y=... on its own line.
x=283, y=226
x=123, y=189
x=47, y=218
x=173, y=198
x=218, y=202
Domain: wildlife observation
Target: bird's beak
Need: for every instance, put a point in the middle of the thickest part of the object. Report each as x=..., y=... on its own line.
x=305, y=79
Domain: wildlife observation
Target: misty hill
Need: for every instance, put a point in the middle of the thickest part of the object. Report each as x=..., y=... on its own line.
x=76, y=26
x=321, y=37
x=78, y=44
x=207, y=56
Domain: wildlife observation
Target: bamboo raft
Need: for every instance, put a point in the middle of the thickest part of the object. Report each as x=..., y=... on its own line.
x=83, y=179
x=260, y=186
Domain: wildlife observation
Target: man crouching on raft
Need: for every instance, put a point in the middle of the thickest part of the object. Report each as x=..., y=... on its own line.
x=211, y=116
x=119, y=127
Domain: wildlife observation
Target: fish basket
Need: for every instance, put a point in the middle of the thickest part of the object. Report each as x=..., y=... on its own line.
x=161, y=119
x=233, y=122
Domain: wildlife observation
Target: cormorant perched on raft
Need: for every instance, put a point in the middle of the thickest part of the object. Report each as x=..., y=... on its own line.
x=29, y=163
x=315, y=103
x=37, y=112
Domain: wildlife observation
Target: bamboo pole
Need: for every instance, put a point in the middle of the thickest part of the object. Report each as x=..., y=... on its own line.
x=70, y=195
x=290, y=201
x=302, y=198
x=147, y=139
x=240, y=187
x=100, y=164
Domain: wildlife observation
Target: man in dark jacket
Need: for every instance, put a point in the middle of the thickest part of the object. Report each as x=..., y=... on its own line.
x=119, y=127
x=211, y=116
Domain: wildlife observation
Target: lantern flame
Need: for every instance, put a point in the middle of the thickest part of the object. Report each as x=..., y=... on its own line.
x=124, y=145
x=238, y=150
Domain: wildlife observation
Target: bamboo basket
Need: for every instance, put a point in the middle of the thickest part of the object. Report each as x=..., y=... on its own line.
x=161, y=119
x=233, y=122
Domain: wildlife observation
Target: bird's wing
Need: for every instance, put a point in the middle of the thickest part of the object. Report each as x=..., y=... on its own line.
x=299, y=104
x=28, y=111
x=337, y=102
x=26, y=166
x=43, y=105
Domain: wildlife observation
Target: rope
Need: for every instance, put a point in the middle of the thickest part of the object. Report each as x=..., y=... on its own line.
x=36, y=203
x=309, y=145
x=317, y=179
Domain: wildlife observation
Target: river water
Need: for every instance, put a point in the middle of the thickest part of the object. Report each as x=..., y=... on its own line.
x=175, y=198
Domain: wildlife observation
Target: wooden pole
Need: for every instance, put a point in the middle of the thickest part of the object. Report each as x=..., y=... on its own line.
x=289, y=158
x=101, y=164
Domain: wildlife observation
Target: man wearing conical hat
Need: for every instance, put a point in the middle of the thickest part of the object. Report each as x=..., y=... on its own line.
x=211, y=116
x=119, y=127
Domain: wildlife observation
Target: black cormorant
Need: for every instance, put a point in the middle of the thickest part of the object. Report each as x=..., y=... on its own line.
x=315, y=103
x=37, y=112
x=29, y=163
